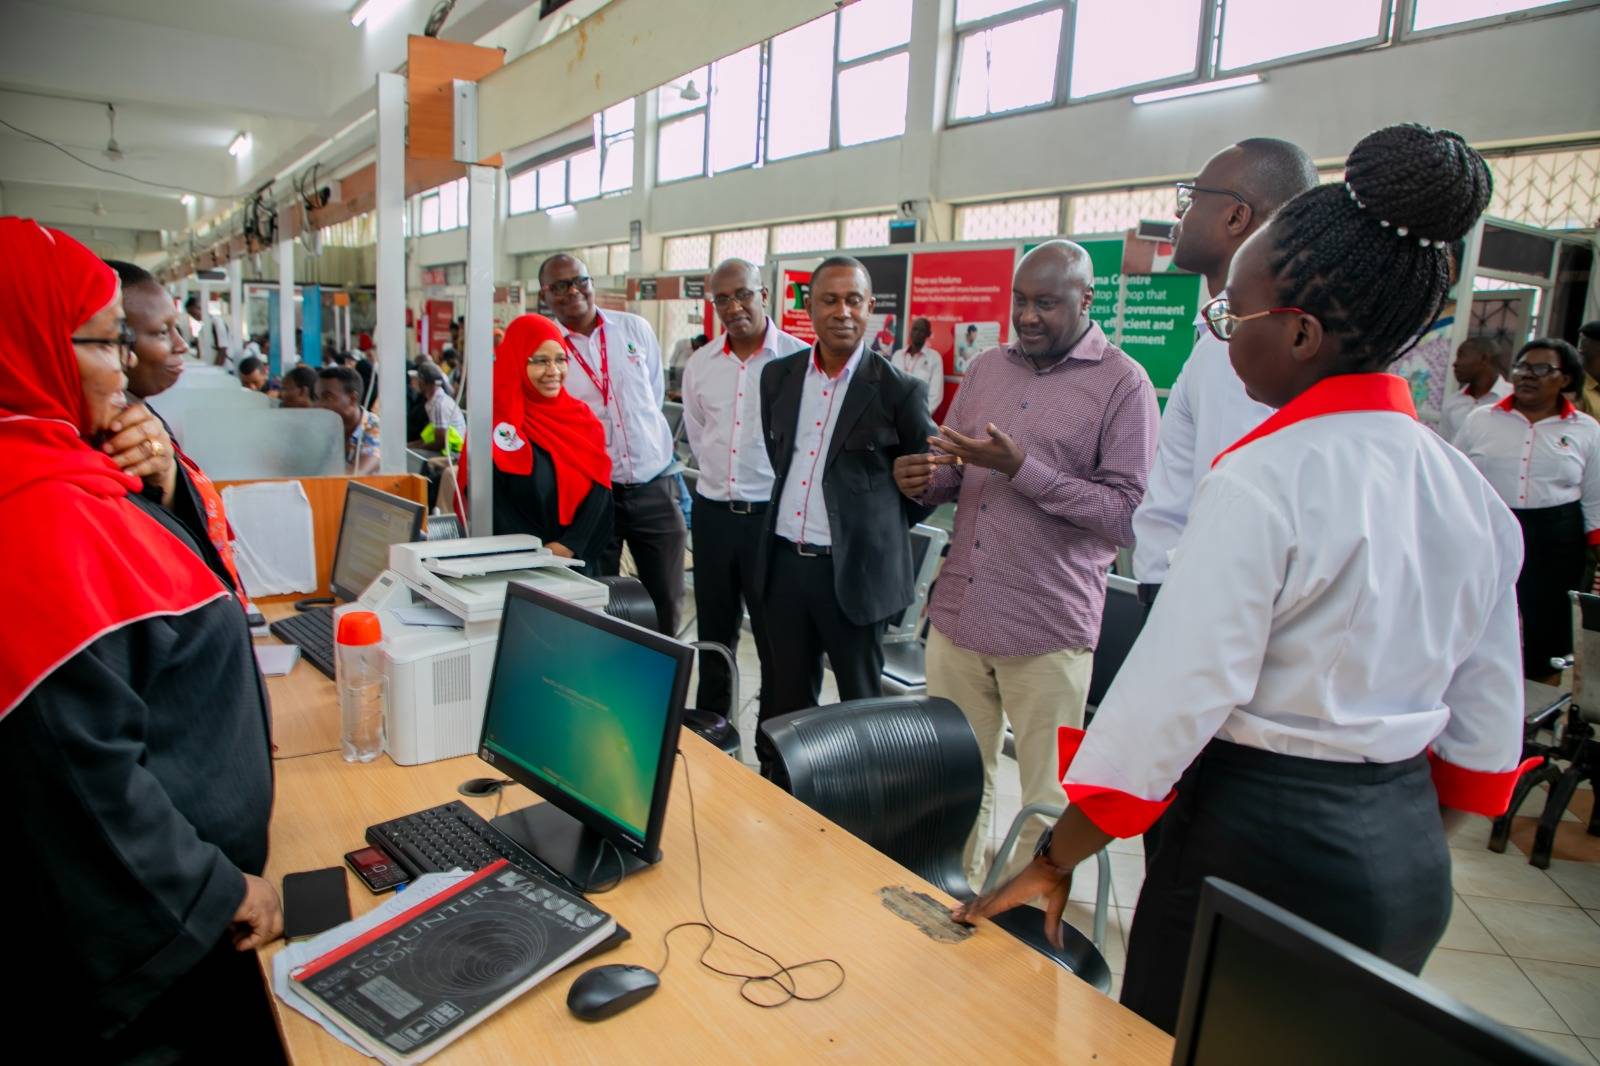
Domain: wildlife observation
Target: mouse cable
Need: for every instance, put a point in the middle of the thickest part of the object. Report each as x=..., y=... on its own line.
x=783, y=976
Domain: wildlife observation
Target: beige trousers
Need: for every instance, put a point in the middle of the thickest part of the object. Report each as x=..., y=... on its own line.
x=1038, y=694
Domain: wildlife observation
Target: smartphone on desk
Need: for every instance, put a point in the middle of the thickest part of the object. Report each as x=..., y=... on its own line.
x=314, y=902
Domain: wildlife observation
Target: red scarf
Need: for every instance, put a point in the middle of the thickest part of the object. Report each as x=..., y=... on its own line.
x=563, y=426
x=90, y=561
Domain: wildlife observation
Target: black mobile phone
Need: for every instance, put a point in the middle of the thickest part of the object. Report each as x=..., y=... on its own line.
x=314, y=902
x=376, y=869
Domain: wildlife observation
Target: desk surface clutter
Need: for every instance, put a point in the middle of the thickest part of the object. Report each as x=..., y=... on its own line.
x=776, y=873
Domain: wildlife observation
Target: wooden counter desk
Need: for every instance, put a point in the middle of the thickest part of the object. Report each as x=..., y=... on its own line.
x=305, y=706
x=776, y=873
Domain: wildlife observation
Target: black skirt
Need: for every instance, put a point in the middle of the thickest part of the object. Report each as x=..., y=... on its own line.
x=1356, y=848
x=1553, y=558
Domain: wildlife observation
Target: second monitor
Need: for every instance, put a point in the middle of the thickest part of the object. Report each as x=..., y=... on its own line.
x=584, y=710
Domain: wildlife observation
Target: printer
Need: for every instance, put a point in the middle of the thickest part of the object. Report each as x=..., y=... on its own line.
x=439, y=603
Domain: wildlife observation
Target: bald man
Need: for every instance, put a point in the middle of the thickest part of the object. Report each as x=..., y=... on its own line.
x=1046, y=449
x=616, y=369
x=1235, y=193
x=722, y=414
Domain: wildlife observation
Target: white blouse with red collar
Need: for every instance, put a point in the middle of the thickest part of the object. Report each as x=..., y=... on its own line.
x=1343, y=591
x=1537, y=464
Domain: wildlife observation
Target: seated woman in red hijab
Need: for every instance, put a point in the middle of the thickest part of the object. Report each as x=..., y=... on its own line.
x=552, y=476
x=133, y=720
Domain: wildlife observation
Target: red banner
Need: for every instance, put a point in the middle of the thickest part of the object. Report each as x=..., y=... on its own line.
x=966, y=298
x=795, y=320
x=440, y=313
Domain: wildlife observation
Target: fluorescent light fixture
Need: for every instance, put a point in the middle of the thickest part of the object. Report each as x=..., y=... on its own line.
x=1198, y=88
x=187, y=199
x=561, y=211
x=239, y=144
x=371, y=9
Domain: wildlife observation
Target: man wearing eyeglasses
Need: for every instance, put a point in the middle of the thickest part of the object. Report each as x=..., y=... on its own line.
x=1234, y=194
x=616, y=370
x=722, y=414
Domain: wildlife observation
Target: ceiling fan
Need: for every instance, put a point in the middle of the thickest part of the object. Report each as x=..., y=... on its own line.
x=112, y=150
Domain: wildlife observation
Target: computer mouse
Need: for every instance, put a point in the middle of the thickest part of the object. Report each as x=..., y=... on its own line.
x=607, y=990
x=479, y=787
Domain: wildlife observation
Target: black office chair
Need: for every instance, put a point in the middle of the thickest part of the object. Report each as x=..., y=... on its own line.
x=1575, y=743
x=905, y=775
x=631, y=603
x=1120, y=622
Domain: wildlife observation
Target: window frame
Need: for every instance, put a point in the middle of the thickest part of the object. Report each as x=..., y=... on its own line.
x=1387, y=12
x=702, y=111
x=1393, y=30
x=1405, y=14
x=606, y=142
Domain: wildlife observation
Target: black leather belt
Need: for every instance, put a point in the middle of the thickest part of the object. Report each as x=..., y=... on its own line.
x=734, y=506
x=810, y=551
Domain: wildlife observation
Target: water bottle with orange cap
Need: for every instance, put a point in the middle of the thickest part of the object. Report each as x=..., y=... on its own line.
x=358, y=675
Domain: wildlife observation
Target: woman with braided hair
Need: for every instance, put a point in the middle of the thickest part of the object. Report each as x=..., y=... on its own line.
x=1332, y=670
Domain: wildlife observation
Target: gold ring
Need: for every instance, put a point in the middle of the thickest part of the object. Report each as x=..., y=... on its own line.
x=960, y=461
x=154, y=446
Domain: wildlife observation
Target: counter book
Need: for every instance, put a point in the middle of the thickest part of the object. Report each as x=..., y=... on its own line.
x=409, y=987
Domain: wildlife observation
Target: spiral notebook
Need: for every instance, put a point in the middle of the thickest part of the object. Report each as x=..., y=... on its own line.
x=412, y=985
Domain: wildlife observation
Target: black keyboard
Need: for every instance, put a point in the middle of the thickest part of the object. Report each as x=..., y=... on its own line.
x=442, y=838
x=313, y=631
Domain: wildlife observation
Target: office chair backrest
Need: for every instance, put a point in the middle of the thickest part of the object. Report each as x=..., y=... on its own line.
x=927, y=555
x=903, y=773
x=630, y=601
x=1586, y=654
x=1120, y=623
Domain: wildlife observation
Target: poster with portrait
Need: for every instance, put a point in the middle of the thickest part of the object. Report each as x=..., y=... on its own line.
x=886, y=328
x=966, y=298
x=794, y=319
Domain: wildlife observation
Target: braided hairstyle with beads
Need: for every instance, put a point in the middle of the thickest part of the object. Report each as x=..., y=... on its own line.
x=1370, y=257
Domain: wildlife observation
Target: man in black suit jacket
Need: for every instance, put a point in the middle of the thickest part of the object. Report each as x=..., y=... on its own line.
x=839, y=559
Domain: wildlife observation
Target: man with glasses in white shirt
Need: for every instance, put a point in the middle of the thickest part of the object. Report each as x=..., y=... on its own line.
x=1234, y=195
x=616, y=370
x=722, y=414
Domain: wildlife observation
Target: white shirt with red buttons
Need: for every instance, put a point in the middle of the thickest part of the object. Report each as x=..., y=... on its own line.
x=638, y=437
x=722, y=414
x=1343, y=591
x=1538, y=464
x=802, y=509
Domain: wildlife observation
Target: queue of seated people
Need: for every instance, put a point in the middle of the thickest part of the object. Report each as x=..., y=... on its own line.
x=1276, y=724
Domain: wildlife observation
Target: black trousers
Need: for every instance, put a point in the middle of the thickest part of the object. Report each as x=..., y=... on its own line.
x=727, y=579
x=1554, y=554
x=804, y=623
x=1356, y=848
x=648, y=519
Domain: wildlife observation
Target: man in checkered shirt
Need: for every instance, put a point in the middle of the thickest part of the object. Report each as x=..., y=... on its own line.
x=1046, y=449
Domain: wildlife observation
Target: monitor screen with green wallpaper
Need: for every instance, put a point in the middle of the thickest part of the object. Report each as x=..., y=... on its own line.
x=584, y=709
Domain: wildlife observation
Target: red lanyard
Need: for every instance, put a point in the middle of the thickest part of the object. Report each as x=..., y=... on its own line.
x=602, y=381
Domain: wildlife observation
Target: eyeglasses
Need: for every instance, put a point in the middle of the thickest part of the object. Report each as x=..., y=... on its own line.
x=723, y=300
x=565, y=285
x=123, y=341
x=546, y=362
x=1222, y=322
x=1187, y=189
x=1536, y=370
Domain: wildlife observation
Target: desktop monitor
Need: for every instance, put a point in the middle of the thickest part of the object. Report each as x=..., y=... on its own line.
x=584, y=710
x=373, y=520
x=1267, y=987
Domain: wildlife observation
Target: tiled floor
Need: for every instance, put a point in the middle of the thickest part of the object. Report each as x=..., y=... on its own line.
x=1523, y=944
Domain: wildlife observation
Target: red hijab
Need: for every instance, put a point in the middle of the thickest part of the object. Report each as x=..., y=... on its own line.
x=563, y=426
x=92, y=561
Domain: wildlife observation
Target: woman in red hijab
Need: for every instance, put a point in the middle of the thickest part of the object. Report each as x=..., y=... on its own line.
x=552, y=476
x=133, y=721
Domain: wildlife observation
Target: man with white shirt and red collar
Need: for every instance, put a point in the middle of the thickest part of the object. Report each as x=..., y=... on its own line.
x=839, y=559
x=722, y=414
x=617, y=372
x=1478, y=372
x=1233, y=196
